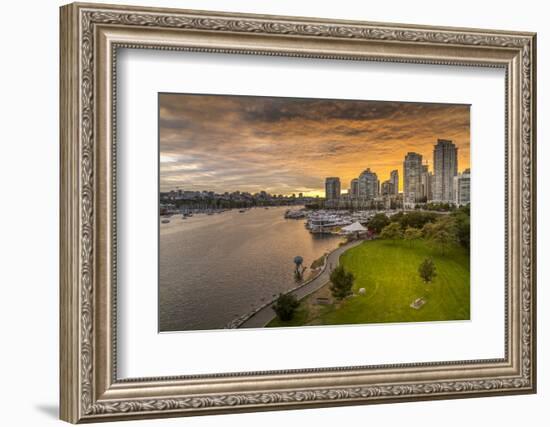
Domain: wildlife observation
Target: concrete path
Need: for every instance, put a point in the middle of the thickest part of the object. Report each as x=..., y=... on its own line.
x=263, y=316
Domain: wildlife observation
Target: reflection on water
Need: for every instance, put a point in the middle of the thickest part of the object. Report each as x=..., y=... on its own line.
x=214, y=268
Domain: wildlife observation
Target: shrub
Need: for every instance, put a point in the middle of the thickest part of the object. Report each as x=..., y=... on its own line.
x=442, y=233
x=462, y=218
x=378, y=222
x=412, y=234
x=341, y=282
x=392, y=231
x=426, y=270
x=285, y=306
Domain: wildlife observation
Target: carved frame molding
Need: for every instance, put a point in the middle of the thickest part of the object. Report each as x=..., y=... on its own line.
x=90, y=37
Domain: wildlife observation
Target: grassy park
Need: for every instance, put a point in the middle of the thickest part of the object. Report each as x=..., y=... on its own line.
x=388, y=271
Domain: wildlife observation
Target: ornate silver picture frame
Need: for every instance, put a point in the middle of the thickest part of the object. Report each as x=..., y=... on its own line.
x=91, y=35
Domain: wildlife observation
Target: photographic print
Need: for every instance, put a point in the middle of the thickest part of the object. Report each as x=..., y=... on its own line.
x=279, y=212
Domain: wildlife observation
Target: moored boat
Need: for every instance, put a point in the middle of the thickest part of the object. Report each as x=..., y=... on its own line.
x=295, y=214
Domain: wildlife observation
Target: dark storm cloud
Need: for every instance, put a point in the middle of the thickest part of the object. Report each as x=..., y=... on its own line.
x=284, y=145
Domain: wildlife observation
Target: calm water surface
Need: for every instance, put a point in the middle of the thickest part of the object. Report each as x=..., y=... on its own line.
x=214, y=268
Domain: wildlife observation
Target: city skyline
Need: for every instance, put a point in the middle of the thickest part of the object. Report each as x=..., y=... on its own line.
x=289, y=145
x=444, y=185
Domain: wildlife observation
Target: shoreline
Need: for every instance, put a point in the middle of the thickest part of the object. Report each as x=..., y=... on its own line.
x=264, y=314
x=223, y=262
x=237, y=323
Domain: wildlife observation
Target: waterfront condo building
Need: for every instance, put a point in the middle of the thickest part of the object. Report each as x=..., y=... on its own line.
x=462, y=188
x=354, y=188
x=394, y=179
x=426, y=182
x=332, y=188
x=445, y=170
x=412, y=179
x=367, y=185
x=387, y=188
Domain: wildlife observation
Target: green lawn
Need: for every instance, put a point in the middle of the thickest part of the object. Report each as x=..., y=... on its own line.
x=389, y=273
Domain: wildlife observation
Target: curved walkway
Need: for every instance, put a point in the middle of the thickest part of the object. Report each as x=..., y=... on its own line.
x=264, y=315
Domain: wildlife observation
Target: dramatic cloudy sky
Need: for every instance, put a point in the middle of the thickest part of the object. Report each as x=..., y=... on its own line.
x=289, y=145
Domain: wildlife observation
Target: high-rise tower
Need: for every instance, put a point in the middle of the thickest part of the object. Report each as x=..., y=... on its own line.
x=332, y=188
x=412, y=178
x=445, y=169
x=394, y=179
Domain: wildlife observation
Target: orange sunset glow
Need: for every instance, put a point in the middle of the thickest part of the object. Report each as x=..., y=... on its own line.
x=289, y=145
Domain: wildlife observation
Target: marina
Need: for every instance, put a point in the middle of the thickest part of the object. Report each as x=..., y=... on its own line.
x=333, y=221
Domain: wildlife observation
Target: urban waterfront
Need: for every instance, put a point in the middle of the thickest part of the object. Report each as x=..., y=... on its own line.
x=254, y=190
x=215, y=268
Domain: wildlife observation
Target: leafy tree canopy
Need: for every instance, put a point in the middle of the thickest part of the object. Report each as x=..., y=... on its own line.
x=462, y=218
x=378, y=222
x=441, y=233
x=285, y=306
x=412, y=233
x=414, y=219
x=392, y=231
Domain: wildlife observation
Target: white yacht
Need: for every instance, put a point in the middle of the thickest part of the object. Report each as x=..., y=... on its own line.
x=326, y=223
x=295, y=214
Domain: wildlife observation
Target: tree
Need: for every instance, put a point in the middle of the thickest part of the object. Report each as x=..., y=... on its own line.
x=414, y=219
x=427, y=270
x=285, y=306
x=462, y=219
x=392, y=231
x=341, y=282
x=441, y=233
x=378, y=222
x=412, y=234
